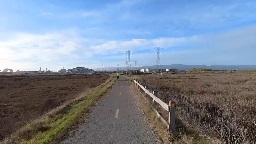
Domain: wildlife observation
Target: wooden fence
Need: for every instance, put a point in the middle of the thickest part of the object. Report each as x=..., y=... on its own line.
x=170, y=108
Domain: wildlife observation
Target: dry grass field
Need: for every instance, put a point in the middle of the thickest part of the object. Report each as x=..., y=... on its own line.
x=25, y=98
x=222, y=105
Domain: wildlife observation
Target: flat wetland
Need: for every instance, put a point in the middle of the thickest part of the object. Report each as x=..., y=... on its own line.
x=219, y=104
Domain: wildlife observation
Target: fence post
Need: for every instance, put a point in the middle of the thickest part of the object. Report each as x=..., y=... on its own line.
x=145, y=91
x=171, y=118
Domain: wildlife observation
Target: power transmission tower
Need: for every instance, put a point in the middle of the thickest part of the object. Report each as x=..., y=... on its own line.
x=158, y=58
x=135, y=64
x=128, y=59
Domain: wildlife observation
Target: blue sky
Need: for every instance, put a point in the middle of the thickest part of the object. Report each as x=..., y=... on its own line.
x=57, y=33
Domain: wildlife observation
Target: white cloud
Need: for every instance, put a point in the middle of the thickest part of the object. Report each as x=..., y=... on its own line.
x=67, y=48
x=231, y=47
x=139, y=44
x=243, y=38
x=216, y=15
x=53, y=50
x=70, y=14
x=29, y=51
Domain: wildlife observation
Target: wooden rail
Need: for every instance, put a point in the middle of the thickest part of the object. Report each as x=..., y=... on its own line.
x=168, y=107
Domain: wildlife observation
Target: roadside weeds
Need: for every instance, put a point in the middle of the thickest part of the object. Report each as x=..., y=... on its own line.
x=159, y=128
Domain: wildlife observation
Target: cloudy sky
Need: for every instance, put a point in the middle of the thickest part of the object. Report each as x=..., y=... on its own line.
x=69, y=33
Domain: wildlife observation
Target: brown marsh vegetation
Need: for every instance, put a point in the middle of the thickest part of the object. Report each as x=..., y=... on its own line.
x=222, y=105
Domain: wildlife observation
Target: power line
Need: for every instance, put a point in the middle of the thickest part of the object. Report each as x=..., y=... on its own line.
x=158, y=58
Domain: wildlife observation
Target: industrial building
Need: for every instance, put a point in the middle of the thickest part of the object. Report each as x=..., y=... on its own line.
x=78, y=70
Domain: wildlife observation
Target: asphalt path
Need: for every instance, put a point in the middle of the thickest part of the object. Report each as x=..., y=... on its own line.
x=115, y=119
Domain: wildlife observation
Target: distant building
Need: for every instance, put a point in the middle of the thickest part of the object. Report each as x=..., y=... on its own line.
x=145, y=70
x=62, y=71
x=81, y=70
x=8, y=70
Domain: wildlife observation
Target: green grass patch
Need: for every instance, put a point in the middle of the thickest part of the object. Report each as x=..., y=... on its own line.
x=49, y=127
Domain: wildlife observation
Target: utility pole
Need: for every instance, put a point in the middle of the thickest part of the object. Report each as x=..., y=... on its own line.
x=102, y=67
x=158, y=58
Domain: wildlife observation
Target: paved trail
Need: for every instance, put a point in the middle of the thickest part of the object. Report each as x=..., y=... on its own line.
x=115, y=119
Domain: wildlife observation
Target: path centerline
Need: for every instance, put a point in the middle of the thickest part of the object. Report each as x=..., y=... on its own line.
x=117, y=112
